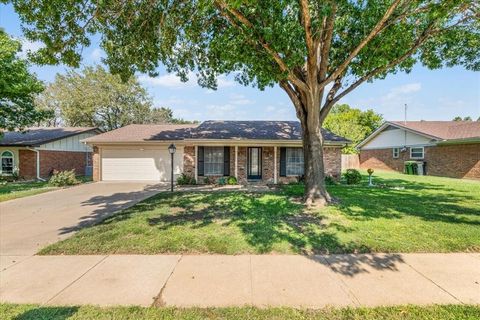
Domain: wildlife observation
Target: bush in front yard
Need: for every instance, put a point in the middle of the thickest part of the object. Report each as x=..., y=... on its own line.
x=352, y=176
x=232, y=181
x=63, y=178
x=183, y=179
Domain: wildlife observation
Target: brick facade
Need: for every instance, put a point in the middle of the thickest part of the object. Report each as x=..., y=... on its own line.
x=332, y=161
x=62, y=160
x=27, y=164
x=51, y=160
x=456, y=161
x=96, y=164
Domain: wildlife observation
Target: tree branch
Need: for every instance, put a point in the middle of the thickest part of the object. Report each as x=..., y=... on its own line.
x=225, y=9
x=425, y=35
x=294, y=98
x=327, y=34
x=376, y=30
x=307, y=26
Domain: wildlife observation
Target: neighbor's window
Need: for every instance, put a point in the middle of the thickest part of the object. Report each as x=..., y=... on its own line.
x=416, y=153
x=294, y=161
x=396, y=152
x=213, y=160
x=7, y=162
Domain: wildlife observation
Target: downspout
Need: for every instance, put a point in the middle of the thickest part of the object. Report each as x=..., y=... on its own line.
x=38, y=164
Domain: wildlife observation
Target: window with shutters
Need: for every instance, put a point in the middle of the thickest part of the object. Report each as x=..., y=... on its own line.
x=294, y=161
x=213, y=161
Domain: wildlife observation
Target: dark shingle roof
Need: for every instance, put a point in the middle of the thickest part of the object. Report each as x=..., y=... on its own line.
x=258, y=130
x=38, y=135
x=215, y=130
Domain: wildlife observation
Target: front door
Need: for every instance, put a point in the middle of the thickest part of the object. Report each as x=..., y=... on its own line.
x=254, y=163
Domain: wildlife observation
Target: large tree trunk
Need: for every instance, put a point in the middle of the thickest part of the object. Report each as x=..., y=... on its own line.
x=308, y=112
x=316, y=193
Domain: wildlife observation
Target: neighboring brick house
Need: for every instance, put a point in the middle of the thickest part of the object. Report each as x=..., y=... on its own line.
x=251, y=151
x=36, y=152
x=443, y=148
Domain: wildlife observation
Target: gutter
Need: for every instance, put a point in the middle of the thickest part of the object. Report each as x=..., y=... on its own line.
x=460, y=141
x=38, y=163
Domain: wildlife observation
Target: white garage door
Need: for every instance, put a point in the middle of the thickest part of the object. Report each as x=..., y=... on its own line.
x=139, y=164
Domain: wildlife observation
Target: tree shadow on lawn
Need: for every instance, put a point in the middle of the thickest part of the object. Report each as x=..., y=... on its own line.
x=51, y=313
x=269, y=219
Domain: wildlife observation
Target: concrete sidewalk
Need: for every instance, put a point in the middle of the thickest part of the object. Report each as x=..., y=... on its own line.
x=259, y=280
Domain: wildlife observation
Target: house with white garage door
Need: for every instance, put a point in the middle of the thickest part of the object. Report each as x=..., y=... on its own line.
x=251, y=151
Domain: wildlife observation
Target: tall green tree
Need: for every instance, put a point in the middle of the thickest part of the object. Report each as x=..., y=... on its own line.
x=352, y=123
x=18, y=87
x=301, y=45
x=95, y=97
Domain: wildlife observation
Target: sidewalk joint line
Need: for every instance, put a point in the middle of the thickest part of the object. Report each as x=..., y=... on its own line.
x=345, y=286
x=251, y=281
x=81, y=276
x=158, y=299
x=443, y=289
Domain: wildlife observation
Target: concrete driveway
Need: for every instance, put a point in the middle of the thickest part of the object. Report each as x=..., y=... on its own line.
x=30, y=223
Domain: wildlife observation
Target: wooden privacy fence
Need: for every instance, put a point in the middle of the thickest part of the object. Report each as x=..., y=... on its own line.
x=350, y=161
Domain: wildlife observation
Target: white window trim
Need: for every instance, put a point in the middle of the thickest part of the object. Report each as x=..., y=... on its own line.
x=393, y=153
x=423, y=153
x=13, y=161
x=204, y=163
x=286, y=163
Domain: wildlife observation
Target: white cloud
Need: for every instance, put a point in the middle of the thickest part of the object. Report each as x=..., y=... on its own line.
x=240, y=99
x=97, y=54
x=224, y=82
x=402, y=90
x=172, y=81
x=29, y=46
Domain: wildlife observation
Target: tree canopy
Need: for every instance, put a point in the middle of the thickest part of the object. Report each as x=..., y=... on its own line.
x=17, y=87
x=301, y=45
x=468, y=118
x=95, y=97
x=353, y=124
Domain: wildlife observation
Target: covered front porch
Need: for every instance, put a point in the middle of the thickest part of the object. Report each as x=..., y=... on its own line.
x=251, y=163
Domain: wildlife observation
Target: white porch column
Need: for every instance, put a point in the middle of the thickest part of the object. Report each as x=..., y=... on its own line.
x=275, y=164
x=236, y=162
x=196, y=163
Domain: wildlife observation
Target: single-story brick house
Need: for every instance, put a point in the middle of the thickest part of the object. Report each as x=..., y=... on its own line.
x=444, y=148
x=262, y=151
x=36, y=152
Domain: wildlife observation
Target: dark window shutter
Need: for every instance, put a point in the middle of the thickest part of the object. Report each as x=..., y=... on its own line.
x=283, y=162
x=226, y=161
x=200, y=165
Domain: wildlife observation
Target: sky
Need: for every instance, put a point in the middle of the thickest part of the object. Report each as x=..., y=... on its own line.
x=429, y=94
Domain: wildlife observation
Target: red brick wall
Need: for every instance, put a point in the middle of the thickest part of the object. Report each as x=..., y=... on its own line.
x=383, y=159
x=61, y=160
x=332, y=161
x=96, y=164
x=27, y=164
x=456, y=161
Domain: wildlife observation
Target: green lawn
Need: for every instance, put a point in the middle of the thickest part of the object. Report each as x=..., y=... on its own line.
x=34, y=312
x=402, y=214
x=14, y=190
